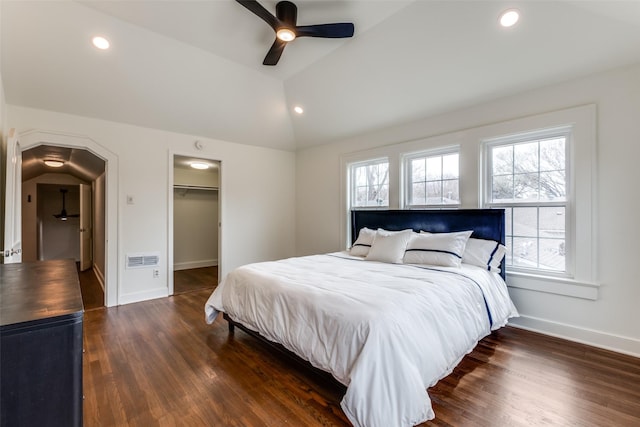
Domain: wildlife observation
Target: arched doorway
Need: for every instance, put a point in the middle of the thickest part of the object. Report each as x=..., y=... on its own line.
x=36, y=138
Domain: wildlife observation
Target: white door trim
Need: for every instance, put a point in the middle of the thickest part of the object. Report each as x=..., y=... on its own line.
x=170, y=166
x=12, y=245
x=113, y=264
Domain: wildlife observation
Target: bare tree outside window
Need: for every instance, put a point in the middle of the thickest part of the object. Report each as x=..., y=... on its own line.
x=433, y=180
x=532, y=171
x=370, y=184
x=529, y=180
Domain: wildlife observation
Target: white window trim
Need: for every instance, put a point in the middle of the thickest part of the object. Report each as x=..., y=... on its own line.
x=582, y=164
x=553, y=285
x=405, y=158
x=567, y=133
x=582, y=183
x=346, y=161
x=369, y=162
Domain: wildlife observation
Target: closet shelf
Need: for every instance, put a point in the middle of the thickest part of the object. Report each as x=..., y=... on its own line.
x=187, y=188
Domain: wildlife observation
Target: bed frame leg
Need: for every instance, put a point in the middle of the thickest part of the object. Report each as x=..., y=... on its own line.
x=230, y=324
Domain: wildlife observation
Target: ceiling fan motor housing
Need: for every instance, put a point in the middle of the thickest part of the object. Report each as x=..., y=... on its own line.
x=287, y=12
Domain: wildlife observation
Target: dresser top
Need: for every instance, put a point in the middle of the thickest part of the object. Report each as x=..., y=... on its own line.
x=33, y=291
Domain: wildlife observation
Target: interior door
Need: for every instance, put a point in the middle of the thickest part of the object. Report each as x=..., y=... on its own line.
x=86, y=232
x=12, y=252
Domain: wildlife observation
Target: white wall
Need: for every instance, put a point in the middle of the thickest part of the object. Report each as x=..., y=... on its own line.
x=613, y=320
x=3, y=148
x=257, y=200
x=3, y=107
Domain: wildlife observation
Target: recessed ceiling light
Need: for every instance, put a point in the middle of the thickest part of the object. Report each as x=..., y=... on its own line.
x=100, y=42
x=509, y=18
x=54, y=163
x=199, y=165
x=298, y=109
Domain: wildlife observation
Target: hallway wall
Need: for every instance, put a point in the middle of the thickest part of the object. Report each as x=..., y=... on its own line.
x=58, y=239
x=30, y=209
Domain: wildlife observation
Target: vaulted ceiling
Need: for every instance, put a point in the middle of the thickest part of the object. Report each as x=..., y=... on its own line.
x=195, y=67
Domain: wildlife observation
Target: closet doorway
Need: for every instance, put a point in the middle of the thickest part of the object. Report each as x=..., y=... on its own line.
x=196, y=219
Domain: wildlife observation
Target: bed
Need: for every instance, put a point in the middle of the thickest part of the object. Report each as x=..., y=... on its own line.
x=386, y=330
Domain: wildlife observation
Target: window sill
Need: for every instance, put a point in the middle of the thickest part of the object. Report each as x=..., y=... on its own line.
x=553, y=285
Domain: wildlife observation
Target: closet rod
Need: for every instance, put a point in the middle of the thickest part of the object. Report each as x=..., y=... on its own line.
x=195, y=187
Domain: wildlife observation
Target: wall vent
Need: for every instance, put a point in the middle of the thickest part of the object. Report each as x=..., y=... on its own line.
x=143, y=260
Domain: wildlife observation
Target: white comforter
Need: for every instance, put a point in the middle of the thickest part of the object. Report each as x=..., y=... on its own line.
x=387, y=332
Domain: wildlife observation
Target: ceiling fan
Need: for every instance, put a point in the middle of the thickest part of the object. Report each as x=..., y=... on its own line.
x=63, y=214
x=284, y=24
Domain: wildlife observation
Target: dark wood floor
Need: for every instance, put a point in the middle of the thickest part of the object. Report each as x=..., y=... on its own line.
x=195, y=279
x=183, y=281
x=157, y=363
x=92, y=293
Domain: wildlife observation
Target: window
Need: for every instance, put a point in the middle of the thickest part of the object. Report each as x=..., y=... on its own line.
x=370, y=184
x=527, y=176
x=432, y=179
x=545, y=180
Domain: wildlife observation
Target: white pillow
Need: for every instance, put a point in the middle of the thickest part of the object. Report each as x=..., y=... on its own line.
x=363, y=243
x=444, y=249
x=484, y=253
x=389, y=246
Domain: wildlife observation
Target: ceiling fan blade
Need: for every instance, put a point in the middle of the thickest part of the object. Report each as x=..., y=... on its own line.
x=273, y=56
x=261, y=12
x=284, y=23
x=62, y=214
x=331, y=31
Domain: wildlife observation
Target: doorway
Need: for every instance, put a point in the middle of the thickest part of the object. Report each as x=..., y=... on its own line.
x=58, y=222
x=196, y=213
x=63, y=212
x=64, y=230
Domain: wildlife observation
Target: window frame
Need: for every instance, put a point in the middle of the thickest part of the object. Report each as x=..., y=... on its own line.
x=581, y=172
x=406, y=182
x=351, y=167
x=520, y=138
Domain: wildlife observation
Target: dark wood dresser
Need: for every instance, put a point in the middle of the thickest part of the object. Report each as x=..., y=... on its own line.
x=41, y=317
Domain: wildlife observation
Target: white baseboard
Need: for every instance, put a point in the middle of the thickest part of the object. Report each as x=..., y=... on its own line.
x=99, y=276
x=617, y=343
x=195, y=264
x=143, y=296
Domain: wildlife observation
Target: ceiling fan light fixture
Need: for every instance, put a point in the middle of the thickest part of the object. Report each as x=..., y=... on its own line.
x=286, y=34
x=54, y=163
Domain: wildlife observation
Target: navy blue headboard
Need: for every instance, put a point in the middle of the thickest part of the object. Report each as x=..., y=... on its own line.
x=485, y=223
